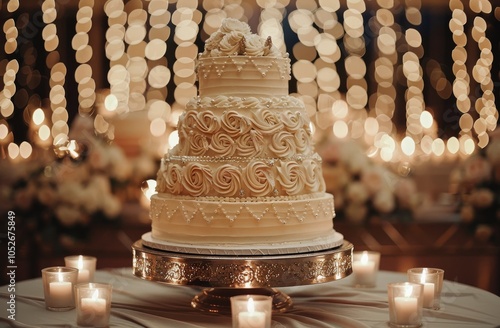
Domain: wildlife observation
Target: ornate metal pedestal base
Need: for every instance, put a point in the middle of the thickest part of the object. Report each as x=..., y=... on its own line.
x=218, y=300
x=234, y=275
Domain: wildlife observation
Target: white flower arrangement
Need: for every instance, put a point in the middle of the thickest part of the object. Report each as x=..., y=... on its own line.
x=476, y=182
x=59, y=199
x=365, y=190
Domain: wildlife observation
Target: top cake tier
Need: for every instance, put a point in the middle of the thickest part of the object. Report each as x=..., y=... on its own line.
x=243, y=76
x=237, y=62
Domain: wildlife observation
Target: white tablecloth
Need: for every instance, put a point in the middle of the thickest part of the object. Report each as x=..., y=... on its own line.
x=140, y=303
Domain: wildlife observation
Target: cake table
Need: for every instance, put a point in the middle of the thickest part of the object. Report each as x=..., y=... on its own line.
x=226, y=276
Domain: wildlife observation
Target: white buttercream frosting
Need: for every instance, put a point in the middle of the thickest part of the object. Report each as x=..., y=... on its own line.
x=245, y=169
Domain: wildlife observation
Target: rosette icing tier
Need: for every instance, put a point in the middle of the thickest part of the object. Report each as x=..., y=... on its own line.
x=244, y=177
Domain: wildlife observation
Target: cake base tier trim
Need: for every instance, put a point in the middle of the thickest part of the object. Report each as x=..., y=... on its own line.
x=333, y=240
x=242, y=271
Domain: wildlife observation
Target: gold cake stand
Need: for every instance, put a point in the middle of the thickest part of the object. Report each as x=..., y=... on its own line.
x=226, y=276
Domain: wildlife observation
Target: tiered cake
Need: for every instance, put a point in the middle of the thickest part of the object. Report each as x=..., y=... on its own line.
x=244, y=178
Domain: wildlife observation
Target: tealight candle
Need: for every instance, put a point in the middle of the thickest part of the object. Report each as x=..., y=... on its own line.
x=251, y=318
x=251, y=311
x=93, y=304
x=365, y=268
x=405, y=304
x=432, y=280
x=85, y=265
x=58, y=287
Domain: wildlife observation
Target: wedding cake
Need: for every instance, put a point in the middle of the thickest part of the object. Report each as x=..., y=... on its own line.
x=244, y=178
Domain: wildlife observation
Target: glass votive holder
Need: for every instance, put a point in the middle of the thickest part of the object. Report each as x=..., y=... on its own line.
x=405, y=304
x=93, y=304
x=432, y=280
x=58, y=285
x=365, y=268
x=251, y=311
x=85, y=265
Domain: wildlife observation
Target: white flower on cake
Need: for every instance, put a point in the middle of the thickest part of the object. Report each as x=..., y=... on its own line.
x=267, y=122
x=223, y=144
x=250, y=145
x=227, y=180
x=173, y=179
x=292, y=178
x=207, y=122
x=259, y=178
x=198, y=144
x=235, y=38
x=235, y=124
x=230, y=24
x=283, y=144
x=292, y=120
x=254, y=45
x=197, y=179
x=231, y=44
x=312, y=172
x=302, y=140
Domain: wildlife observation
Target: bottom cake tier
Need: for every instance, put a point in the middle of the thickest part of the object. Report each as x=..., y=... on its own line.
x=329, y=241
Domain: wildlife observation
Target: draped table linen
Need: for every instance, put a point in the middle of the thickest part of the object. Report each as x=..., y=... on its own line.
x=141, y=303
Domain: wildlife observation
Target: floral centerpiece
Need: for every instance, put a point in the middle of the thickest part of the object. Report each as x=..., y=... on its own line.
x=57, y=200
x=363, y=189
x=476, y=182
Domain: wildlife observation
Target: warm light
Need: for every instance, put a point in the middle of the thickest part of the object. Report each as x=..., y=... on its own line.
x=426, y=119
x=340, y=129
x=453, y=145
x=73, y=149
x=111, y=103
x=4, y=131
x=148, y=189
x=44, y=132
x=173, y=139
x=80, y=262
x=339, y=109
x=250, y=305
x=158, y=127
x=371, y=126
x=25, y=149
x=38, y=116
x=408, y=291
x=438, y=147
x=13, y=150
x=408, y=146
x=364, y=257
x=469, y=146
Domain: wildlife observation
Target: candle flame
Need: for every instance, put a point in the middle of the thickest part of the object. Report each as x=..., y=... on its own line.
x=423, y=277
x=60, y=277
x=408, y=291
x=80, y=262
x=250, y=305
x=95, y=294
x=364, y=257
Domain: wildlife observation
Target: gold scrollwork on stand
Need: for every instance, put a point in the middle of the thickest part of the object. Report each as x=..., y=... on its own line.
x=232, y=275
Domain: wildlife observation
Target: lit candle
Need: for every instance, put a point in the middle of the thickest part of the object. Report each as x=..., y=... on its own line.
x=60, y=293
x=83, y=274
x=406, y=308
x=93, y=311
x=364, y=270
x=251, y=318
x=428, y=290
x=85, y=266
